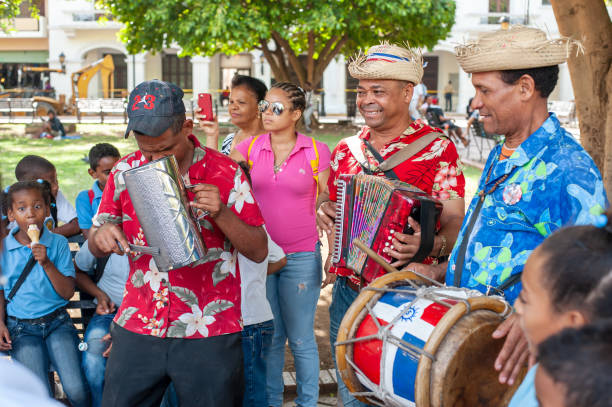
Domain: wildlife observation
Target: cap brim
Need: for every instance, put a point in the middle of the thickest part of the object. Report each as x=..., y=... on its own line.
x=149, y=126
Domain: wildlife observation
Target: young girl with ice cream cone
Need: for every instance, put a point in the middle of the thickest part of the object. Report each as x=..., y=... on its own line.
x=38, y=281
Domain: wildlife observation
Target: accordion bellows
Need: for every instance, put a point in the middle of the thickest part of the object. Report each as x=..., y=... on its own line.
x=372, y=208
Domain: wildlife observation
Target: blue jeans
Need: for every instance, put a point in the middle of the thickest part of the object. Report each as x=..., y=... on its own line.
x=293, y=293
x=94, y=364
x=256, y=341
x=55, y=342
x=342, y=298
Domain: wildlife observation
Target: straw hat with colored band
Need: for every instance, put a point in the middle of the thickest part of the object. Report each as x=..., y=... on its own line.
x=388, y=61
x=519, y=47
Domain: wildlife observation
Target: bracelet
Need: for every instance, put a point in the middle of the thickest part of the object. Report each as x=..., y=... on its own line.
x=442, y=247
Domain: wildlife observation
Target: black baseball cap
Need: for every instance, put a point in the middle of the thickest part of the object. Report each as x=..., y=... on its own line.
x=151, y=106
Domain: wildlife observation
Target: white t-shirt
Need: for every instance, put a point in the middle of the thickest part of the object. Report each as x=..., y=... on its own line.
x=255, y=306
x=65, y=210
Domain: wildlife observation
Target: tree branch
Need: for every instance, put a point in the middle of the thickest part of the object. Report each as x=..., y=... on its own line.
x=322, y=63
x=293, y=59
x=270, y=58
x=281, y=61
x=310, y=63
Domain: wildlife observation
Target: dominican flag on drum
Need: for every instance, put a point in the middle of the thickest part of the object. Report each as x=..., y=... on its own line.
x=386, y=365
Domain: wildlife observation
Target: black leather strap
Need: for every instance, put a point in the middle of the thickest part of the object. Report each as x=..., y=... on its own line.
x=389, y=173
x=24, y=274
x=428, y=231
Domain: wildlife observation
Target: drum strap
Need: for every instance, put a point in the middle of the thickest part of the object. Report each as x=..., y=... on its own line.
x=510, y=281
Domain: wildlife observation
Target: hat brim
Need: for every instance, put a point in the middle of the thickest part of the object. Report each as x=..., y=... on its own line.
x=509, y=58
x=153, y=126
x=398, y=71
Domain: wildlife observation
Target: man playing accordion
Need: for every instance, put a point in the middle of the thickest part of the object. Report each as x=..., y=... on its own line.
x=387, y=75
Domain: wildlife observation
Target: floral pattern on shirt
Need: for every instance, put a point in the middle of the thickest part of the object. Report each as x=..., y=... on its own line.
x=552, y=182
x=168, y=303
x=436, y=169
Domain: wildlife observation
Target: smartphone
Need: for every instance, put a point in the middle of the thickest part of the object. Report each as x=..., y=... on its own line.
x=205, y=103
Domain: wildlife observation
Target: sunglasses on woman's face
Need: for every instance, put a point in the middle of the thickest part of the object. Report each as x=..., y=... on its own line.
x=277, y=107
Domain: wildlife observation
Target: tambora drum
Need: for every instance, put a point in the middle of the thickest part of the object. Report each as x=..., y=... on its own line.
x=402, y=343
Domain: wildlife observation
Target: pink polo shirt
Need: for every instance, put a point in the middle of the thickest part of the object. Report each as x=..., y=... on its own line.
x=287, y=199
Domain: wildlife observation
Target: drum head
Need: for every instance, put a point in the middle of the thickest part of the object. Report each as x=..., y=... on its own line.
x=463, y=373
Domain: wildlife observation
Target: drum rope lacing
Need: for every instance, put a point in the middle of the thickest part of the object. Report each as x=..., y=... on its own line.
x=384, y=333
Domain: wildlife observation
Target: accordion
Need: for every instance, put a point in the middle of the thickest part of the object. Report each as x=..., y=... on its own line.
x=372, y=208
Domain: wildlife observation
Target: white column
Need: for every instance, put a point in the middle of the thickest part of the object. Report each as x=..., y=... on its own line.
x=135, y=70
x=200, y=74
x=566, y=90
x=334, y=82
x=466, y=90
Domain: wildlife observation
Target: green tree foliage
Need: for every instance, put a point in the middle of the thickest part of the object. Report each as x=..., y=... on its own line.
x=282, y=29
x=9, y=9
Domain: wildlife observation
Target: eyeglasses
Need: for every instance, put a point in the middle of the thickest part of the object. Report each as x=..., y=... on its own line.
x=277, y=107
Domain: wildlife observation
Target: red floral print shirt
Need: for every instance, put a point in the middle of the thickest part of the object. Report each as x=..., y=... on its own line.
x=436, y=169
x=193, y=301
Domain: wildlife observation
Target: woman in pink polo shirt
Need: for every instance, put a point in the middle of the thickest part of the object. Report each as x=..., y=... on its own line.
x=288, y=171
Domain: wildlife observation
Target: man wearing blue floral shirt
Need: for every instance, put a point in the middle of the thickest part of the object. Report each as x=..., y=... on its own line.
x=539, y=180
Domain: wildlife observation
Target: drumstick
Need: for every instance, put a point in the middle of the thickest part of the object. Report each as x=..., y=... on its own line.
x=389, y=268
x=371, y=253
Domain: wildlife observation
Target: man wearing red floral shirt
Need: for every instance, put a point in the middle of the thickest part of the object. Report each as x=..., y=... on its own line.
x=183, y=325
x=387, y=75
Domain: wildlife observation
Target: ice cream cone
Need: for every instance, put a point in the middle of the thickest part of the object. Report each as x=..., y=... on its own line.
x=33, y=233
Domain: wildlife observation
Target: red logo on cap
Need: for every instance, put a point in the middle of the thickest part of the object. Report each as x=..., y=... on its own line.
x=148, y=102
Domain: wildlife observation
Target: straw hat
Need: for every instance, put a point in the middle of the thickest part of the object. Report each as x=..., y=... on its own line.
x=519, y=47
x=388, y=61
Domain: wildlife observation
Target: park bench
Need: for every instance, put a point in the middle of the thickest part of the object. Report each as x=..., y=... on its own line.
x=18, y=107
x=481, y=137
x=101, y=107
x=565, y=111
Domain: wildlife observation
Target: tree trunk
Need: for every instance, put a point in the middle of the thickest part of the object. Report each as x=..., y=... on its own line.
x=591, y=73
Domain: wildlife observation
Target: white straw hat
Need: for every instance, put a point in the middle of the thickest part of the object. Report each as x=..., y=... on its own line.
x=519, y=47
x=388, y=61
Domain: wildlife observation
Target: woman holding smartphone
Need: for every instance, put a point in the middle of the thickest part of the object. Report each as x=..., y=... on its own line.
x=246, y=92
x=288, y=170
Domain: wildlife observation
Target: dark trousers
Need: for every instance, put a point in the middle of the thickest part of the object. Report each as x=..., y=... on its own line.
x=448, y=97
x=205, y=372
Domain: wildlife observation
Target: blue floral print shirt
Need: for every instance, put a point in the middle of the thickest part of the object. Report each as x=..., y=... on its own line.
x=552, y=182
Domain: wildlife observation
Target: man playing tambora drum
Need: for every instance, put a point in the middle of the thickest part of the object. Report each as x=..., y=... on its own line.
x=387, y=75
x=183, y=325
x=539, y=180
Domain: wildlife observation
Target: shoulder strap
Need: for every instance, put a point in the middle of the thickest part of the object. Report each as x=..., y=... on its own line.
x=354, y=145
x=249, y=162
x=388, y=173
x=409, y=151
x=24, y=274
x=314, y=164
x=91, y=195
x=100, y=266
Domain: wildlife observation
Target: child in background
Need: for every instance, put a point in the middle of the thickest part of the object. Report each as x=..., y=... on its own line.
x=559, y=274
x=32, y=168
x=574, y=368
x=102, y=159
x=39, y=331
x=112, y=273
